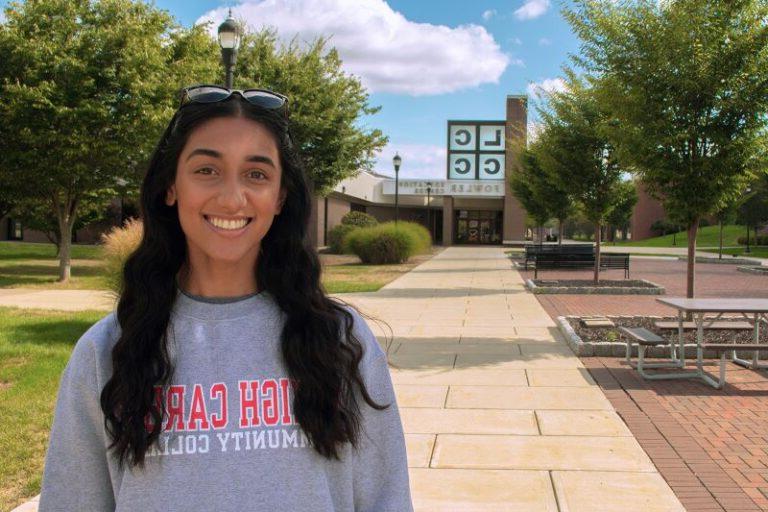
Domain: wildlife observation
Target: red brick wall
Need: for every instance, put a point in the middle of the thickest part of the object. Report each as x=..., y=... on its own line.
x=646, y=212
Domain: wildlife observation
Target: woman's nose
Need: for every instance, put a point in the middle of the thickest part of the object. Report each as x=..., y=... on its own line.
x=231, y=195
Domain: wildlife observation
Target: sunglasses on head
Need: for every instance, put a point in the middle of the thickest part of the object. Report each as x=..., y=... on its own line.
x=264, y=98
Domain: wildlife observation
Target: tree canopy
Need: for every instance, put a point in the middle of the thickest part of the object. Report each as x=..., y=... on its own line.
x=685, y=85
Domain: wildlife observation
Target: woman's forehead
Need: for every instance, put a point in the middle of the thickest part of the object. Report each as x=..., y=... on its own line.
x=228, y=135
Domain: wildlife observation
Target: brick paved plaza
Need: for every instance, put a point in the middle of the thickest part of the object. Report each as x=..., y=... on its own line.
x=711, y=446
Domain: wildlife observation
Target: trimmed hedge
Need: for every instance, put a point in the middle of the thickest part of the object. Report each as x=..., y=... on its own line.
x=336, y=237
x=360, y=219
x=389, y=243
x=753, y=240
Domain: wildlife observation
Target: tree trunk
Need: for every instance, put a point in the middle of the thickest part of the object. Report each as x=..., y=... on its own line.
x=559, y=232
x=720, y=252
x=693, y=228
x=597, y=252
x=65, y=213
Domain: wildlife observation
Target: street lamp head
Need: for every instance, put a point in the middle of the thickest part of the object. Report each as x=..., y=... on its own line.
x=397, y=161
x=229, y=33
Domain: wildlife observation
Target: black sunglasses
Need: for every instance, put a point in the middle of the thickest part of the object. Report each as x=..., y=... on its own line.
x=264, y=98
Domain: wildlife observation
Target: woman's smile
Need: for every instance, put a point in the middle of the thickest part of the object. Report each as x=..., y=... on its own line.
x=228, y=227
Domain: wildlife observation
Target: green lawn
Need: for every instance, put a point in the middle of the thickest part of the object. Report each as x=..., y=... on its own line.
x=35, y=346
x=755, y=252
x=31, y=265
x=708, y=236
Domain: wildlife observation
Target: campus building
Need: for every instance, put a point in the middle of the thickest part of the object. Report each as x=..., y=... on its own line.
x=473, y=204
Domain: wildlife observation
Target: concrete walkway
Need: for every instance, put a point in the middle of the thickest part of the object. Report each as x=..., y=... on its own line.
x=498, y=412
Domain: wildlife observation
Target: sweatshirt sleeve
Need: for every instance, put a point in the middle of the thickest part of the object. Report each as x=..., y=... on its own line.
x=381, y=466
x=76, y=474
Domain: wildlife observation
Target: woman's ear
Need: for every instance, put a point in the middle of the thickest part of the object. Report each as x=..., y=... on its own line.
x=170, y=196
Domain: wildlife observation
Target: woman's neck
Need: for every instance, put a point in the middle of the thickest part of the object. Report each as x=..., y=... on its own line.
x=227, y=285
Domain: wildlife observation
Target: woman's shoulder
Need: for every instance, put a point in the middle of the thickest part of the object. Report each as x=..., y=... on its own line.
x=91, y=356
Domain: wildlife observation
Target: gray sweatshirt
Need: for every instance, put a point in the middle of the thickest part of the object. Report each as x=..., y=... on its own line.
x=230, y=440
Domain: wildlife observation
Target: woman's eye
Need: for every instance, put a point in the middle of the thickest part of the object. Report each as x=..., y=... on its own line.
x=255, y=174
x=203, y=170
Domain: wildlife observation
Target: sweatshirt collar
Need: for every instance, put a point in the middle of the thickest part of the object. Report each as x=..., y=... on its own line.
x=224, y=308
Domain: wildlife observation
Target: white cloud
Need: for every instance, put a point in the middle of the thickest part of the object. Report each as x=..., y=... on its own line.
x=490, y=13
x=516, y=40
x=532, y=9
x=544, y=42
x=387, y=51
x=539, y=90
x=419, y=161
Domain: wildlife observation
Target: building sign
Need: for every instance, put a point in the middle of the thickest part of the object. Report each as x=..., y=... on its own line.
x=474, y=188
x=476, y=150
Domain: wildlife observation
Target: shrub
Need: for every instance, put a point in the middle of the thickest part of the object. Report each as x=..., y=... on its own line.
x=336, y=237
x=117, y=245
x=758, y=240
x=387, y=243
x=360, y=219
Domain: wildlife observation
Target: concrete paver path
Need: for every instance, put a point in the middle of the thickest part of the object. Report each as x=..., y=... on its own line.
x=498, y=413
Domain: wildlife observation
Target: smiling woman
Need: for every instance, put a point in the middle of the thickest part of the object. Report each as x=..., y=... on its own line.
x=224, y=343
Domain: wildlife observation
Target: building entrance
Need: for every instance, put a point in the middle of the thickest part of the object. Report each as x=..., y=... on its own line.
x=478, y=227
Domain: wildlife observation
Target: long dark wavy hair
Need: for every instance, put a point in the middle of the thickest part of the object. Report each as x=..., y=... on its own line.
x=323, y=367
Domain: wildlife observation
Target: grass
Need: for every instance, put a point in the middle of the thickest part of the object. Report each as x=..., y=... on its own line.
x=754, y=252
x=34, y=265
x=31, y=265
x=35, y=346
x=708, y=236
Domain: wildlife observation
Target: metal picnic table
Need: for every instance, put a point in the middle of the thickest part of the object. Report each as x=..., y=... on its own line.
x=755, y=309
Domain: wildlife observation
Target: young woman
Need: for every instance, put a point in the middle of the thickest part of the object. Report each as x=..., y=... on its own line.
x=226, y=379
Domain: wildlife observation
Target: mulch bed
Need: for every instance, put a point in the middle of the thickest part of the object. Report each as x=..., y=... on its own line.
x=603, y=283
x=612, y=334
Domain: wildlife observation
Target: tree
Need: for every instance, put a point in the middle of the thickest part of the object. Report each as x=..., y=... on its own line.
x=577, y=154
x=625, y=200
x=326, y=104
x=684, y=82
x=86, y=91
x=526, y=185
x=752, y=209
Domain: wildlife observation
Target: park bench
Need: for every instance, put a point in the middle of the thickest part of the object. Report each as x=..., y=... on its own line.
x=577, y=257
x=532, y=250
x=688, y=326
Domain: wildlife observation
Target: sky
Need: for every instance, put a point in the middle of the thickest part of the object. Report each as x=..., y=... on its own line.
x=423, y=61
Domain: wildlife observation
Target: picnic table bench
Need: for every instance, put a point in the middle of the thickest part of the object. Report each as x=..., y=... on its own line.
x=730, y=326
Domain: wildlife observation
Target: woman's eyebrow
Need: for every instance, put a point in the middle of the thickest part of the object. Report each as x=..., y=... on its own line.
x=216, y=154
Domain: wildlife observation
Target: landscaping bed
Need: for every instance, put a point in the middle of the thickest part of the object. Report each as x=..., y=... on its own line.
x=610, y=341
x=588, y=286
x=754, y=269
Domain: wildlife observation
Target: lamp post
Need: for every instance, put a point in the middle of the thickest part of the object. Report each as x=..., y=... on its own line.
x=229, y=40
x=396, y=161
x=429, y=216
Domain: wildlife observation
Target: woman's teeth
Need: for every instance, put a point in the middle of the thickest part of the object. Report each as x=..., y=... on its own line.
x=228, y=224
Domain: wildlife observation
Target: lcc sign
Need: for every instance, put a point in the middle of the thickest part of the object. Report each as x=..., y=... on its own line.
x=476, y=150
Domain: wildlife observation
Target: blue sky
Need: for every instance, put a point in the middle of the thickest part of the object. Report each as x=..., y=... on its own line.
x=424, y=61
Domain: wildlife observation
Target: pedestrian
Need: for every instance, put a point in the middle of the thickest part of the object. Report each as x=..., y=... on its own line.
x=226, y=378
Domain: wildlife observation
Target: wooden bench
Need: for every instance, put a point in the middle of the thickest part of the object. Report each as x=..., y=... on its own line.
x=741, y=325
x=645, y=338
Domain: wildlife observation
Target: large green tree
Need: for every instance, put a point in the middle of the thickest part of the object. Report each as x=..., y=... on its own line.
x=625, y=199
x=543, y=196
x=86, y=89
x=326, y=104
x=686, y=83
x=576, y=153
